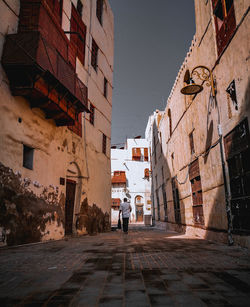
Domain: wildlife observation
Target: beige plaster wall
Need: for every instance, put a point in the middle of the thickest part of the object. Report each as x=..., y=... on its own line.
x=56, y=148
x=200, y=114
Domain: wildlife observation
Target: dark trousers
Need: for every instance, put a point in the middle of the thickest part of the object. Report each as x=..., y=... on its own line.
x=125, y=224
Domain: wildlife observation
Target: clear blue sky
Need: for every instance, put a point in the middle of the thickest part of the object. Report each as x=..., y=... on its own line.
x=152, y=38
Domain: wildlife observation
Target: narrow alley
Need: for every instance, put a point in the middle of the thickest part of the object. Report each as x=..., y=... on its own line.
x=147, y=267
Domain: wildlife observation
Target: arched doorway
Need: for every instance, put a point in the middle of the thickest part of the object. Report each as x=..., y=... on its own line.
x=139, y=208
x=73, y=192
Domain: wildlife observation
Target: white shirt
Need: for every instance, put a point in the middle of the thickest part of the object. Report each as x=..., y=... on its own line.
x=125, y=209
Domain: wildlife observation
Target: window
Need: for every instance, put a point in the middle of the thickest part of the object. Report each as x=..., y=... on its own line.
x=92, y=114
x=176, y=199
x=79, y=7
x=104, y=143
x=170, y=122
x=28, y=154
x=115, y=205
x=165, y=203
x=146, y=173
x=237, y=150
x=56, y=8
x=158, y=205
x=195, y=180
x=136, y=154
x=225, y=23
x=78, y=34
x=94, y=54
x=145, y=154
x=191, y=142
x=77, y=127
x=99, y=10
x=105, y=88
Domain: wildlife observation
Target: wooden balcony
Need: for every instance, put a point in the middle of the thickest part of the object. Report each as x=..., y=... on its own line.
x=36, y=61
x=119, y=177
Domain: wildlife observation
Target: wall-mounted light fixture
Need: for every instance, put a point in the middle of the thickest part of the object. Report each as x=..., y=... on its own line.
x=202, y=73
x=205, y=75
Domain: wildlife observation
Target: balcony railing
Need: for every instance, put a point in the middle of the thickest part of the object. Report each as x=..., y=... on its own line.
x=36, y=61
x=119, y=177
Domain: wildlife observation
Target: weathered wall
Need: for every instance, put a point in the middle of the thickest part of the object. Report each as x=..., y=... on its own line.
x=200, y=114
x=58, y=152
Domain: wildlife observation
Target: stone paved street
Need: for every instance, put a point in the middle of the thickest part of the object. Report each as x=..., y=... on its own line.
x=147, y=267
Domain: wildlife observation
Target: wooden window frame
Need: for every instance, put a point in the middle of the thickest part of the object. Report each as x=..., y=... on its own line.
x=197, y=197
x=145, y=154
x=191, y=142
x=136, y=154
x=104, y=144
x=92, y=114
x=176, y=200
x=78, y=35
x=105, y=87
x=224, y=27
x=99, y=10
x=94, y=54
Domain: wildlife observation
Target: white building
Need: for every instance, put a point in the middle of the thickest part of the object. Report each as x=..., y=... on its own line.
x=130, y=169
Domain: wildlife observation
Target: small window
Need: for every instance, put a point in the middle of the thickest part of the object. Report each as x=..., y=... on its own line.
x=170, y=122
x=94, y=54
x=92, y=114
x=105, y=88
x=99, y=10
x=104, y=143
x=191, y=142
x=79, y=7
x=28, y=154
x=136, y=154
x=146, y=173
x=145, y=154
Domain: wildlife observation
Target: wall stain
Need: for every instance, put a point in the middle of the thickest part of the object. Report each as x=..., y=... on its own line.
x=92, y=219
x=23, y=214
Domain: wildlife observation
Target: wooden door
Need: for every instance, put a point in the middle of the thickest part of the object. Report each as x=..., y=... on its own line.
x=69, y=206
x=139, y=213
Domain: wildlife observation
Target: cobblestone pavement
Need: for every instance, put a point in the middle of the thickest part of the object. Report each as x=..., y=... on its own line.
x=147, y=267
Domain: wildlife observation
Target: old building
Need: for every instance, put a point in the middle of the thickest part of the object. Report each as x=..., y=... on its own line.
x=55, y=118
x=130, y=168
x=200, y=147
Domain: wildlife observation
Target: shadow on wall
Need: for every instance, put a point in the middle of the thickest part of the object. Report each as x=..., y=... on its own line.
x=237, y=152
x=167, y=204
x=212, y=222
x=92, y=220
x=24, y=216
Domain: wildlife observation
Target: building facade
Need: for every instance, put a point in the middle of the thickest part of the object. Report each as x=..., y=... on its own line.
x=130, y=169
x=56, y=79
x=200, y=146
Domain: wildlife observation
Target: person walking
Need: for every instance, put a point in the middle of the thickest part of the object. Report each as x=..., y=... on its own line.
x=125, y=209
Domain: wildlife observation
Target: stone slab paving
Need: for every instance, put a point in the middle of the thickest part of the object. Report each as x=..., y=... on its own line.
x=147, y=267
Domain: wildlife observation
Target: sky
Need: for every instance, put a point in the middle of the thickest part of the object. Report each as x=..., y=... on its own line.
x=152, y=38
